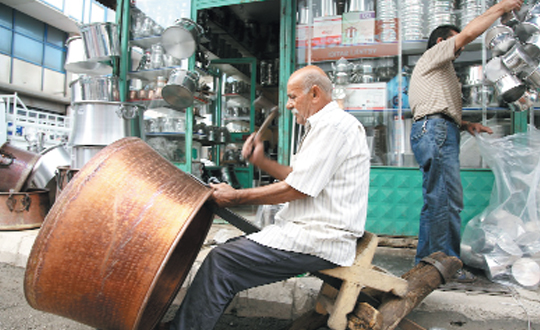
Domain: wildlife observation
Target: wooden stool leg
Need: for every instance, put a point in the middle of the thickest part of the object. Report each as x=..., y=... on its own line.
x=326, y=296
x=344, y=304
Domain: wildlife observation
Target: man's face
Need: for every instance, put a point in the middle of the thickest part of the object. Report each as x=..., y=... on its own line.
x=298, y=101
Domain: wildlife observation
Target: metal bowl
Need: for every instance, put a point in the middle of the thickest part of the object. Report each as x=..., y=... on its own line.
x=526, y=272
x=510, y=88
x=499, y=39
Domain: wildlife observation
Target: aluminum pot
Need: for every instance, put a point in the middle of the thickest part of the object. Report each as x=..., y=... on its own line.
x=130, y=224
x=517, y=59
x=82, y=154
x=77, y=60
x=499, y=39
x=96, y=88
x=181, y=39
x=15, y=167
x=44, y=172
x=510, y=88
x=23, y=210
x=64, y=174
x=101, y=123
x=180, y=88
x=528, y=28
x=100, y=40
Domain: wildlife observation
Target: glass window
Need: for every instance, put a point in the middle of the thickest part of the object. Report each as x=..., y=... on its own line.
x=6, y=16
x=54, y=58
x=74, y=8
x=5, y=40
x=29, y=26
x=27, y=49
x=58, y=4
x=98, y=13
x=55, y=36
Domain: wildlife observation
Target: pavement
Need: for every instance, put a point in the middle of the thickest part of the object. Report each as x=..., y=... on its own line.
x=481, y=305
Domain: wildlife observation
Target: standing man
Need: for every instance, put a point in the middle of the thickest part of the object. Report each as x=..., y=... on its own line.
x=435, y=99
x=325, y=190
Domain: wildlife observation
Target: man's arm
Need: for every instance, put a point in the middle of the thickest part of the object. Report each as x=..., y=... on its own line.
x=275, y=193
x=253, y=151
x=481, y=23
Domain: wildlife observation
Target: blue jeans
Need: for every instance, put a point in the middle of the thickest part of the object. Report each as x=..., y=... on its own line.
x=229, y=268
x=435, y=144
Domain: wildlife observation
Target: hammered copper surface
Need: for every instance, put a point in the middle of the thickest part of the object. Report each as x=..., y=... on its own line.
x=15, y=167
x=119, y=241
x=23, y=210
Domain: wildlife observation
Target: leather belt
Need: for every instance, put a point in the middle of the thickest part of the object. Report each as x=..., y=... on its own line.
x=436, y=115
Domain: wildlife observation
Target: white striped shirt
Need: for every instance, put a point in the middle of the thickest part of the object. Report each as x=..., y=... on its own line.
x=331, y=167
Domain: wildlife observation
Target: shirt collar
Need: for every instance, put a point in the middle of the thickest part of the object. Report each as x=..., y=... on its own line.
x=332, y=106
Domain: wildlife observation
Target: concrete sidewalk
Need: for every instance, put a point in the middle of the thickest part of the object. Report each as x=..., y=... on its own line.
x=481, y=306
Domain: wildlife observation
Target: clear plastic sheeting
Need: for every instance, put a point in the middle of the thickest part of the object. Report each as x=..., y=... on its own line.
x=504, y=240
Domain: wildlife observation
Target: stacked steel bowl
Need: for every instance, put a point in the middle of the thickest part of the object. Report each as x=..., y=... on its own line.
x=412, y=19
x=440, y=12
x=386, y=15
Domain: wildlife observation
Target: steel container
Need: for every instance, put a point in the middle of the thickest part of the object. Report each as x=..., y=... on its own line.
x=181, y=39
x=180, y=88
x=100, y=41
x=77, y=60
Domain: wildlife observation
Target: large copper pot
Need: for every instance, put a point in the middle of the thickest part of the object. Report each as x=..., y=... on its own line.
x=23, y=210
x=119, y=241
x=15, y=167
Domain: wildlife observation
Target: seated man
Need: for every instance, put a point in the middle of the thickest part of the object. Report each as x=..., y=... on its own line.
x=325, y=190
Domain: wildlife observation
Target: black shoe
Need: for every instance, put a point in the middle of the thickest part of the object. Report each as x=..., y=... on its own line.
x=463, y=276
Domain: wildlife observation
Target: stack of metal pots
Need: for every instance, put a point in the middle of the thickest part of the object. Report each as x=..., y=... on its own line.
x=98, y=116
x=514, y=70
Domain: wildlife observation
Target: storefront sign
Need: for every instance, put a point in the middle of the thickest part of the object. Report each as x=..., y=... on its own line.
x=370, y=96
x=351, y=52
x=326, y=31
x=358, y=27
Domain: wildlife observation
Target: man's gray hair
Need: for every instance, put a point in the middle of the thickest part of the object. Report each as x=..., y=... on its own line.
x=316, y=78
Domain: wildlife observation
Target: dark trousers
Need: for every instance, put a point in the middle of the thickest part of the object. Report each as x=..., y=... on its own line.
x=229, y=268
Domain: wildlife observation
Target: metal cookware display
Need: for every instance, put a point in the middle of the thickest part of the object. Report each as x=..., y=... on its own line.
x=132, y=233
x=100, y=41
x=95, y=88
x=101, y=123
x=499, y=39
x=77, y=60
x=23, y=210
x=15, y=167
x=180, y=88
x=181, y=39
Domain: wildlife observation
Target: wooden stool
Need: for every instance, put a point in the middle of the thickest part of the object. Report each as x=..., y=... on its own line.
x=339, y=303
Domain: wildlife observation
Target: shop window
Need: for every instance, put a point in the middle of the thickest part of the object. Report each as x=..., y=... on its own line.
x=98, y=13
x=6, y=16
x=5, y=40
x=74, y=9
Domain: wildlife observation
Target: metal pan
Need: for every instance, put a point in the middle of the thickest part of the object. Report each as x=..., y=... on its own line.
x=16, y=165
x=180, y=88
x=181, y=39
x=23, y=210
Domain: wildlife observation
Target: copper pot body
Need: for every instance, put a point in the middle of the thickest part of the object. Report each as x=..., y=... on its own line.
x=64, y=174
x=15, y=167
x=119, y=241
x=23, y=210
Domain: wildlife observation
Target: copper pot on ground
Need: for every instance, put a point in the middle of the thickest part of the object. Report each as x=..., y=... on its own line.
x=23, y=210
x=119, y=241
x=15, y=167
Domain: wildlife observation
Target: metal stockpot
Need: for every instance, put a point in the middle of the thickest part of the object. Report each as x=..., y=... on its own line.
x=499, y=39
x=15, y=167
x=101, y=123
x=82, y=154
x=100, y=40
x=44, y=172
x=180, y=88
x=181, y=39
x=130, y=224
x=510, y=88
x=97, y=88
x=23, y=210
x=517, y=59
x=77, y=60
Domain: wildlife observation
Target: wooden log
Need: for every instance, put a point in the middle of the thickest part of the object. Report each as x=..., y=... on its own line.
x=422, y=279
x=371, y=318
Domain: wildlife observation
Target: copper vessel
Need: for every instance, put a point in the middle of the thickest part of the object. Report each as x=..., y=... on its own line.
x=119, y=241
x=23, y=210
x=64, y=174
x=15, y=167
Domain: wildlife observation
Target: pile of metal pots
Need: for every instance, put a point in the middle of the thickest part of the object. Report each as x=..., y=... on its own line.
x=29, y=184
x=514, y=69
x=98, y=116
